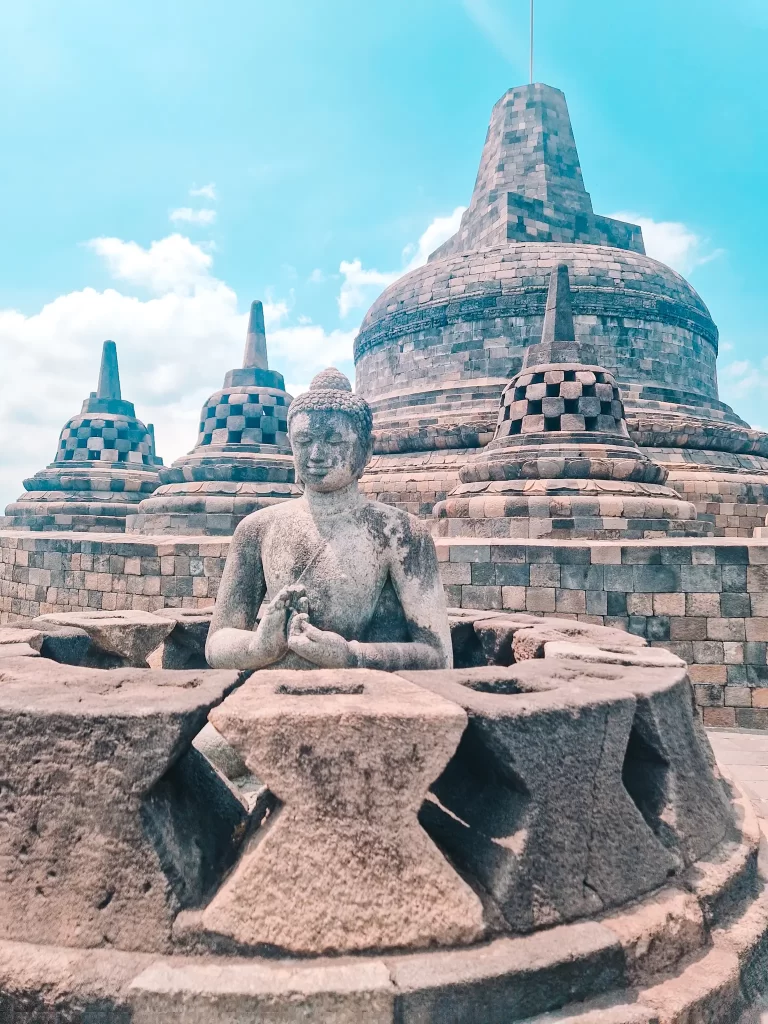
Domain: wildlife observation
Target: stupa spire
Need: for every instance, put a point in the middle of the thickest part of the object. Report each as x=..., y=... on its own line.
x=529, y=186
x=109, y=374
x=558, y=336
x=256, y=340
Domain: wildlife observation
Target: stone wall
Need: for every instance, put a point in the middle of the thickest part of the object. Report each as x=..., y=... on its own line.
x=47, y=573
x=704, y=599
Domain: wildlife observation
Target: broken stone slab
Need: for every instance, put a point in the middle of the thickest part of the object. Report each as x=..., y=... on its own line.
x=19, y=650
x=529, y=643
x=485, y=638
x=184, y=647
x=128, y=635
x=533, y=804
x=81, y=753
x=343, y=865
x=64, y=644
x=649, y=657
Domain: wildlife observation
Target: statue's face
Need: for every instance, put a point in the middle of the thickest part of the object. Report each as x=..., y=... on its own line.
x=327, y=449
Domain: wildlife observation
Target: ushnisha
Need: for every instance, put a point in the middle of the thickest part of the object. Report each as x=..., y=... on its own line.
x=346, y=582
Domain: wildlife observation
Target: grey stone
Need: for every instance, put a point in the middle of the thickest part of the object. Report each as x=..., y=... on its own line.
x=128, y=635
x=81, y=750
x=552, y=837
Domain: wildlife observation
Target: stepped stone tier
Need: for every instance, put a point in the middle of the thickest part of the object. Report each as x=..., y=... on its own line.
x=541, y=837
x=437, y=348
x=562, y=463
x=105, y=464
x=242, y=459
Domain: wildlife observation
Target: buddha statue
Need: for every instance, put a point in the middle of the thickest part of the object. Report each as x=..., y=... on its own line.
x=341, y=581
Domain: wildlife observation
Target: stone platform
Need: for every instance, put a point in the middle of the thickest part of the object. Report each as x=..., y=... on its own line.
x=135, y=921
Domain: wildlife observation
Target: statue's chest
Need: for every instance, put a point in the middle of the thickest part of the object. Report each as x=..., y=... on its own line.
x=343, y=571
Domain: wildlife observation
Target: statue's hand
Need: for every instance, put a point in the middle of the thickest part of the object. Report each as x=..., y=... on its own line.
x=271, y=636
x=322, y=648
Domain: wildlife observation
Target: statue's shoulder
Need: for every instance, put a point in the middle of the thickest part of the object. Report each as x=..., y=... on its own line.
x=257, y=524
x=395, y=522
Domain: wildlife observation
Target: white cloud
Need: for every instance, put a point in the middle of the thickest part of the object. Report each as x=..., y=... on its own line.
x=317, y=276
x=174, y=346
x=672, y=242
x=361, y=286
x=186, y=215
x=205, y=192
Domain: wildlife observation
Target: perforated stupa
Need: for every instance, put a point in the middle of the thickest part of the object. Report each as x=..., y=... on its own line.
x=242, y=459
x=105, y=464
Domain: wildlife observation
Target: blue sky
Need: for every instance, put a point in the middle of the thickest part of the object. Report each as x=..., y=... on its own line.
x=324, y=140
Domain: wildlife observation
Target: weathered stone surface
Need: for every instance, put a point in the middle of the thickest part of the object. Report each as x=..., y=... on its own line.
x=184, y=647
x=273, y=993
x=648, y=657
x=344, y=864
x=52, y=984
x=508, y=980
x=530, y=642
x=346, y=583
x=65, y=644
x=667, y=766
x=129, y=635
x=657, y=932
x=18, y=651
x=533, y=804
x=81, y=751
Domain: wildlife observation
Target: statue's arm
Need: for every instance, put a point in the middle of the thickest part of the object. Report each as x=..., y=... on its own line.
x=415, y=576
x=232, y=642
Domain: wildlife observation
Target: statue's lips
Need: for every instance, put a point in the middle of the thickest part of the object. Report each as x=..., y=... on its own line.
x=319, y=472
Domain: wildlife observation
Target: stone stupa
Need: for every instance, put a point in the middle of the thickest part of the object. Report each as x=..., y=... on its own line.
x=561, y=463
x=105, y=464
x=242, y=460
x=438, y=347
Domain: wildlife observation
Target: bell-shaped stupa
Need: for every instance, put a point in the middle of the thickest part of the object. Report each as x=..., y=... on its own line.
x=561, y=462
x=105, y=464
x=438, y=347
x=242, y=460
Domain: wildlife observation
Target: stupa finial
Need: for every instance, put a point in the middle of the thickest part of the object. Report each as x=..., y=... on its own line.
x=109, y=374
x=256, y=340
x=558, y=316
x=558, y=336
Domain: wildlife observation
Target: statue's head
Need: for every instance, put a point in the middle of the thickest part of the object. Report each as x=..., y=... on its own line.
x=331, y=433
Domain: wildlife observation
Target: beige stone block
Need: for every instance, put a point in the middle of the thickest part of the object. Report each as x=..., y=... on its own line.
x=738, y=697
x=733, y=653
x=757, y=629
x=702, y=604
x=708, y=673
x=640, y=604
x=720, y=718
x=132, y=567
x=347, y=839
x=669, y=604
x=725, y=629
x=760, y=697
x=573, y=601
x=167, y=565
x=540, y=599
x=513, y=598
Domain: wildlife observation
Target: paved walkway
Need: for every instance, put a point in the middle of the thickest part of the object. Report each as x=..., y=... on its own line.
x=744, y=755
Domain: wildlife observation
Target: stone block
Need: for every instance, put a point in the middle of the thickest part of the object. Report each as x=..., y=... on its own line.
x=351, y=754
x=276, y=993
x=128, y=635
x=514, y=815
x=510, y=981
x=82, y=753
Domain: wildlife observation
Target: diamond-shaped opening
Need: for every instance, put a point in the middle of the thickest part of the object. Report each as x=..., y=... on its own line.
x=646, y=777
